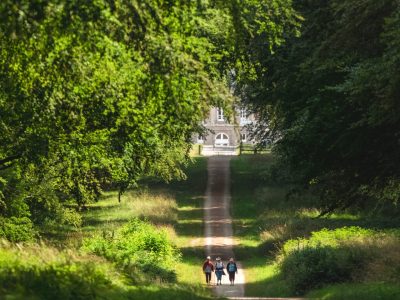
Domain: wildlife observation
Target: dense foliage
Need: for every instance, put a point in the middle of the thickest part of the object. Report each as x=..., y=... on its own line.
x=138, y=248
x=42, y=272
x=97, y=94
x=342, y=255
x=330, y=99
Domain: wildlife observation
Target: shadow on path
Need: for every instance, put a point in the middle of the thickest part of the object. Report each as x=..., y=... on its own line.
x=218, y=223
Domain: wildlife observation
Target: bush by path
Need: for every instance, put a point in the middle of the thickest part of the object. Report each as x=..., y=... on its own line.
x=40, y=272
x=138, y=248
x=349, y=254
x=284, y=246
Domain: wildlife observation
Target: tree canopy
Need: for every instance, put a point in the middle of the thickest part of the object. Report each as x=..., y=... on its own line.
x=330, y=100
x=98, y=94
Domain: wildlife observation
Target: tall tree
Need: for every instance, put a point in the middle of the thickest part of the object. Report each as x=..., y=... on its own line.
x=101, y=93
x=330, y=98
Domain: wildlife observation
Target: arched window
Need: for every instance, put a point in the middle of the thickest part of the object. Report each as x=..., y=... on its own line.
x=221, y=139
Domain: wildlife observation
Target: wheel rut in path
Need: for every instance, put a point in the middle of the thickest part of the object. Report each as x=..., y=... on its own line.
x=218, y=223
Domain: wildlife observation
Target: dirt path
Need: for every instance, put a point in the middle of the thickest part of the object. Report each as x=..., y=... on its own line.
x=218, y=223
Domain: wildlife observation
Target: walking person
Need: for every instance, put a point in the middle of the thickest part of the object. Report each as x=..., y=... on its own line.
x=219, y=270
x=208, y=268
x=231, y=267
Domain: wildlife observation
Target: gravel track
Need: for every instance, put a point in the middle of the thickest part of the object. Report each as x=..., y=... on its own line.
x=218, y=223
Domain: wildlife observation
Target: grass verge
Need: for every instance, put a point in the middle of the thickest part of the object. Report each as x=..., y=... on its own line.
x=176, y=208
x=188, y=228
x=265, y=219
x=365, y=291
x=33, y=271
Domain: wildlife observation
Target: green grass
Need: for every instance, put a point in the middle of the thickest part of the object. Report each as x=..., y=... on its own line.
x=176, y=207
x=262, y=278
x=369, y=291
x=108, y=214
x=189, y=230
x=42, y=272
x=265, y=218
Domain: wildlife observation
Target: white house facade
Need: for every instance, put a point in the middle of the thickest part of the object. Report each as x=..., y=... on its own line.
x=224, y=135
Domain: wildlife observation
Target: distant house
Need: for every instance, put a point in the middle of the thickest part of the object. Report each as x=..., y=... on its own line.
x=223, y=136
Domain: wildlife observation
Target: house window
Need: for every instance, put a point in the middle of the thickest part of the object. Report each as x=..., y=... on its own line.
x=200, y=139
x=220, y=114
x=243, y=137
x=221, y=139
x=243, y=114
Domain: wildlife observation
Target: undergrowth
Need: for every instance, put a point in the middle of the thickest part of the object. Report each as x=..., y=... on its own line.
x=348, y=254
x=137, y=248
x=42, y=272
x=113, y=250
x=290, y=250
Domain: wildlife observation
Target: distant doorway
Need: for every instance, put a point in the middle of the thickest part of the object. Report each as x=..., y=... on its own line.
x=221, y=139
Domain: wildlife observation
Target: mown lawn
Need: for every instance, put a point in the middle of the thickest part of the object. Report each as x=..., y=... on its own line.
x=265, y=219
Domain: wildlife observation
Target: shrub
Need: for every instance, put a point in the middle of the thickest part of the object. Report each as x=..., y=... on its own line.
x=16, y=229
x=332, y=238
x=47, y=209
x=138, y=247
x=45, y=273
x=40, y=272
x=69, y=216
x=335, y=256
x=310, y=267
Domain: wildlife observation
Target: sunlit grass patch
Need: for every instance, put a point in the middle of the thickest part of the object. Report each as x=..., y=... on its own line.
x=189, y=208
x=33, y=271
x=190, y=221
x=44, y=272
x=109, y=214
x=175, y=209
x=315, y=213
x=263, y=278
x=134, y=203
x=155, y=207
x=348, y=254
x=189, y=271
x=188, y=227
x=370, y=291
x=267, y=214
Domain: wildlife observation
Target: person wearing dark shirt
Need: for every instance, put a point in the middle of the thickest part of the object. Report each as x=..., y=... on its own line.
x=231, y=267
x=208, y=268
